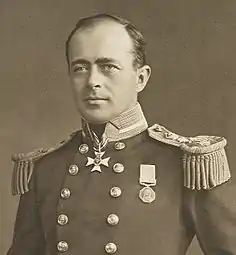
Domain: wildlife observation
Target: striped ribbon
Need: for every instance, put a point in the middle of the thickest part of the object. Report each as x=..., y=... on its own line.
x=98, y=144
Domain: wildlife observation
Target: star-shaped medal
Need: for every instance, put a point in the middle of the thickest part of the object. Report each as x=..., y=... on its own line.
x=97, y=161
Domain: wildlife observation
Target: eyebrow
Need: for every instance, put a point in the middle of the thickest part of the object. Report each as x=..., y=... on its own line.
x=79, y=61
x=106, y=60
x=102, y=60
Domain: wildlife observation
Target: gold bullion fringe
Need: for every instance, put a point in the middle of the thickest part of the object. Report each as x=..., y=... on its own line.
x=205, y=171
x=21, y=175
x=23, y=169
x=24, y=166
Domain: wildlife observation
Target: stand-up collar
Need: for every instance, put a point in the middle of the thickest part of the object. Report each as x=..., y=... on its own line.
x=128, y=124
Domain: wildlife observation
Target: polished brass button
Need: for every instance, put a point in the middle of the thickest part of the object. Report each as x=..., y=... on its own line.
x=62, y=246
x=119, y=146
x=62, y=219
x=115, y=192
x=73, y=169
x=110, y=248
x=83, y=148
x=65, y=193
x=112, y=219
x=118, y=168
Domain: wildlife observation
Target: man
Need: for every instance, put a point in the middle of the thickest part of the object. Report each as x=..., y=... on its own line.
x=118, y=186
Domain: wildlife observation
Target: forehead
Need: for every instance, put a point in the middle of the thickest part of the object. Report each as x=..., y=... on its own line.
x=105, y=39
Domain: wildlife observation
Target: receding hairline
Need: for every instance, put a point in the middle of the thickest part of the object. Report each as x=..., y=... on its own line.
x=99, y=21
x=96, y=19
x=96, y=22
x=138, y=42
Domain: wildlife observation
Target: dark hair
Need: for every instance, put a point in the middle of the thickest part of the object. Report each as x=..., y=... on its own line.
x=137, y=38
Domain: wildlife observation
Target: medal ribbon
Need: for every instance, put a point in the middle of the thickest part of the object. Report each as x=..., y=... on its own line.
x=98, y=144
x=147, y=175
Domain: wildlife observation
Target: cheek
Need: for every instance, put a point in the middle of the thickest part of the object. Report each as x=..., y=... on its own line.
x=77, y=83
x=125, y=91
x=126, y=80
x=77, y=90
x=128, y=84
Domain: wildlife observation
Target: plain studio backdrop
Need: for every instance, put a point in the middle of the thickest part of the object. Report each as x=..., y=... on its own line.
x=191, y=48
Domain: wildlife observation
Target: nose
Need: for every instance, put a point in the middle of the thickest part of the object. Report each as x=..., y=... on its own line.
x=95, y=78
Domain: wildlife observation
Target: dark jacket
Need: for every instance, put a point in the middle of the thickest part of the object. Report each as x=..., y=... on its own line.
x=166, y=226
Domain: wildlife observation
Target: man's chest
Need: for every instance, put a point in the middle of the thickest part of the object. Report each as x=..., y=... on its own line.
x=106, y=205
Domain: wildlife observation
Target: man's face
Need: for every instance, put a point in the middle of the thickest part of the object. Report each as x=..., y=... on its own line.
x=102, y=75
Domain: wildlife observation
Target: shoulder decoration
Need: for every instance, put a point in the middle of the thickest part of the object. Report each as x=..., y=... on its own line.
x=24, y=166
x=205, y=162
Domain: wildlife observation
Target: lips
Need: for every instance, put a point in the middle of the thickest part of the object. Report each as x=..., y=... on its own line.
x=95, y=98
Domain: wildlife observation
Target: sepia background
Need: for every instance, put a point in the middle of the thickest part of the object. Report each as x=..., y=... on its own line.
x=191, y=48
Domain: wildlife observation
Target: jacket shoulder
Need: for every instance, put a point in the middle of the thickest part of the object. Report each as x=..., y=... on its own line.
x=205, y=163
x=24, y=165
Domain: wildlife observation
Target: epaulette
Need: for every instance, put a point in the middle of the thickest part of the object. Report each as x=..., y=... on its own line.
x=205, y=162
x=24, y=166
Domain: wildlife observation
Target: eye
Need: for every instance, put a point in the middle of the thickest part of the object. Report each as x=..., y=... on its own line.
x=109, y=67
x=81, y=68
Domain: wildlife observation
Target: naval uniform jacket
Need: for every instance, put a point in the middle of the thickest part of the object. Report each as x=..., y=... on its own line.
x=78, y=219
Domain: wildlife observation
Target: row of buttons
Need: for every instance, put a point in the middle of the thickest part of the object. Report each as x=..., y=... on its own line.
x=115, y=192
x=84, y=148
x=117, y=168
x=110, y=248
x=112, y=219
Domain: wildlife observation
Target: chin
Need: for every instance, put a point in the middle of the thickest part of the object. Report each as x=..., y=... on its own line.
x=96, y=118
x=99, y=115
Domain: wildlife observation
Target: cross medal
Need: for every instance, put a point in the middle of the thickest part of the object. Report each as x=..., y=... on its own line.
x=97, y=161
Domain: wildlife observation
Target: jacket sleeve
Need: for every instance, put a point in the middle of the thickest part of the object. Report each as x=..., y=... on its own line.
x=214, y=217
x=28, y=238
x=212, y=191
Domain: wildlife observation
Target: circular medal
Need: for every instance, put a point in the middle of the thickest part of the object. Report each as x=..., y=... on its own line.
x=147, y=195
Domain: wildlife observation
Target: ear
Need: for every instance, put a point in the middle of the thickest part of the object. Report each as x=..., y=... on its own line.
x=143, y=74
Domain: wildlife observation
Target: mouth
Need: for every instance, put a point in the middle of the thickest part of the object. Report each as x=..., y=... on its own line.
x=96, y=100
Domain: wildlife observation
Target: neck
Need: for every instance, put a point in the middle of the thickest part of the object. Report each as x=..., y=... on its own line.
x=127, y=124
x=98, y=129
